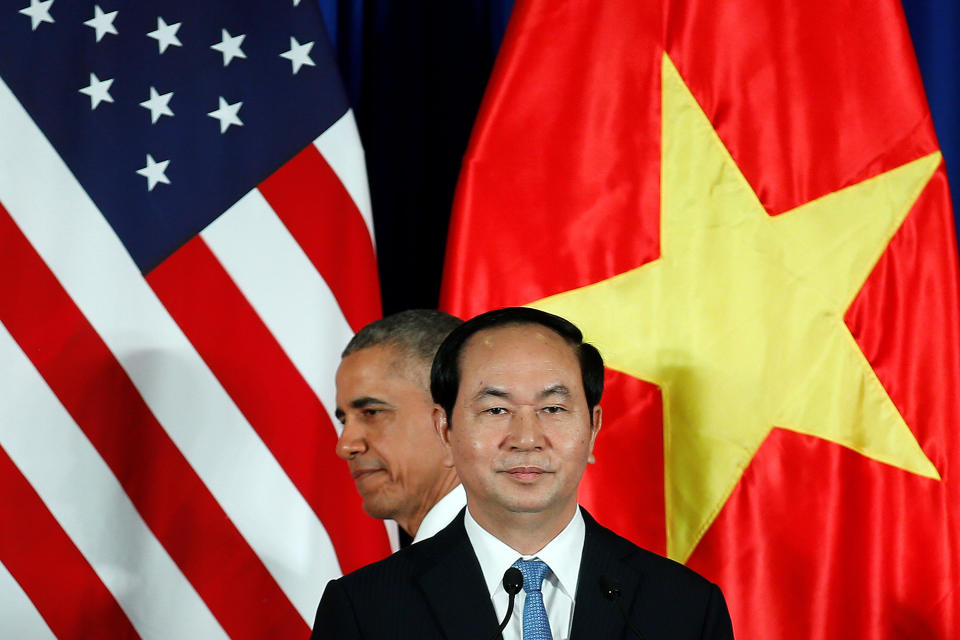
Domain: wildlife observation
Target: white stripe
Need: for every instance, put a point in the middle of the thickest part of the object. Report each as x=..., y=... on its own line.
x=340, y=146
x=91, y=506
x=88, y=259
x=18, y=617
x=287, y=292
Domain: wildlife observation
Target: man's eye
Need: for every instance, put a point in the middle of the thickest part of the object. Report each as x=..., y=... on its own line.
x=497, y=411
x=369, y=413
x=553, y=409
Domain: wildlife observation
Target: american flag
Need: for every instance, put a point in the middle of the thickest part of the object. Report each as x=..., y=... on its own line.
x=185, y=246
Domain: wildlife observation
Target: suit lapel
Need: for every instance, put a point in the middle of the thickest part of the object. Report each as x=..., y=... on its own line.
x=454, y=587
x=594, y=616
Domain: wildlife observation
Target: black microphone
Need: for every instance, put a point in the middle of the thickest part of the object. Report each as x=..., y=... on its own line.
x=512, y=583
x=610, y=588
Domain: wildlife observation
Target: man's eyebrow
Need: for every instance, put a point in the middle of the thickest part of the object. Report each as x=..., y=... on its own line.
x=487, y=392
x=555, y=390
x=359, y=403
x=366, y=401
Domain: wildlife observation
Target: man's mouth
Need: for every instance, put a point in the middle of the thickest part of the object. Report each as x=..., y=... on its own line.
x=360, y=474
x=526, y=473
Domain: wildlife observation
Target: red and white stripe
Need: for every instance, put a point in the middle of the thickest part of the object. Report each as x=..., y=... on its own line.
x=166, y=443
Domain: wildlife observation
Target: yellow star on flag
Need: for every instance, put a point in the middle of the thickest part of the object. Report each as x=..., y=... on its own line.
x=741, y=320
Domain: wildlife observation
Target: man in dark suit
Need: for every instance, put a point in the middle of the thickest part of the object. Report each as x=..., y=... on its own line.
x=385, y=407
x=518, y=413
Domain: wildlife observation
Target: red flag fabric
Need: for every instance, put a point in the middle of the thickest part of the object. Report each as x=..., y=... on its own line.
x=743, y=205
x=186, y=245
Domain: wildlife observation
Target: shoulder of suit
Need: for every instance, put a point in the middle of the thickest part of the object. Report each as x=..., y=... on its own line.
x=651, y=565
x=409, y=561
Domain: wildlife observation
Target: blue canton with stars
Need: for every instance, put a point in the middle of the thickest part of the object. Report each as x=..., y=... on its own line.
x=168, y=112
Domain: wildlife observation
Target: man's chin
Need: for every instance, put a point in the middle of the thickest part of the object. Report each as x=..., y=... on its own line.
x=380, y=508
x=532, y=505
x=537, y=502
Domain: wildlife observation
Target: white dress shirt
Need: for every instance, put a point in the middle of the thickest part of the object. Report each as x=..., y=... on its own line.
x=442, y=513
x=562, y=555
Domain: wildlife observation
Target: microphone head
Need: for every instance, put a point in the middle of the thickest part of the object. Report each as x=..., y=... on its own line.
x=609, y=586
x=512, y=581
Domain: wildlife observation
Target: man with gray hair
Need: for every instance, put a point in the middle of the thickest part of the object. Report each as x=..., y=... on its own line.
x=388, y=438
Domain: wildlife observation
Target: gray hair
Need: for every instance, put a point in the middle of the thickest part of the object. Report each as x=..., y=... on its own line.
x=416, y=332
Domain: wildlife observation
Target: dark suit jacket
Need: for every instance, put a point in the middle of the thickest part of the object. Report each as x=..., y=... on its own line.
x=435, y=589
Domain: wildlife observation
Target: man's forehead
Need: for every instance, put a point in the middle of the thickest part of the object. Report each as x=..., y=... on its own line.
x=534, y=353
x=517, y=334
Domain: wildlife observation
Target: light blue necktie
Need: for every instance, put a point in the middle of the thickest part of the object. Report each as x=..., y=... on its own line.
x=536, y=626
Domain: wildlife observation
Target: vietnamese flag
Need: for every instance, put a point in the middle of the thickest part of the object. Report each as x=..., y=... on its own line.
x=743, y=205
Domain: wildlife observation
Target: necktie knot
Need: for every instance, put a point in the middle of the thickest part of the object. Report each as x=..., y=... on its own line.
x=533, y=573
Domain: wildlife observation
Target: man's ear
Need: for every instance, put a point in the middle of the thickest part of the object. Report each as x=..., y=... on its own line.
x=442, y=427
x=595, y=429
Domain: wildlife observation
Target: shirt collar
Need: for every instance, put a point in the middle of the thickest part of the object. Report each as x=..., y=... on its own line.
x=442, y=513
x=562, y=554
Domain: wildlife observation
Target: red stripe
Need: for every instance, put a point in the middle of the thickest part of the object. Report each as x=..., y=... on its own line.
x=98, y=394
x=273, y=396
x=314, y=205
x=631, y=438
x=54, y=574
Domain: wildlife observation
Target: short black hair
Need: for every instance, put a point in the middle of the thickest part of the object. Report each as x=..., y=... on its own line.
x=445, y=373
x=416, y=333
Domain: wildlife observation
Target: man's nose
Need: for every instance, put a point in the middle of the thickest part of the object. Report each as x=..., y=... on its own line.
x=351, y=441
x=526, y=432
